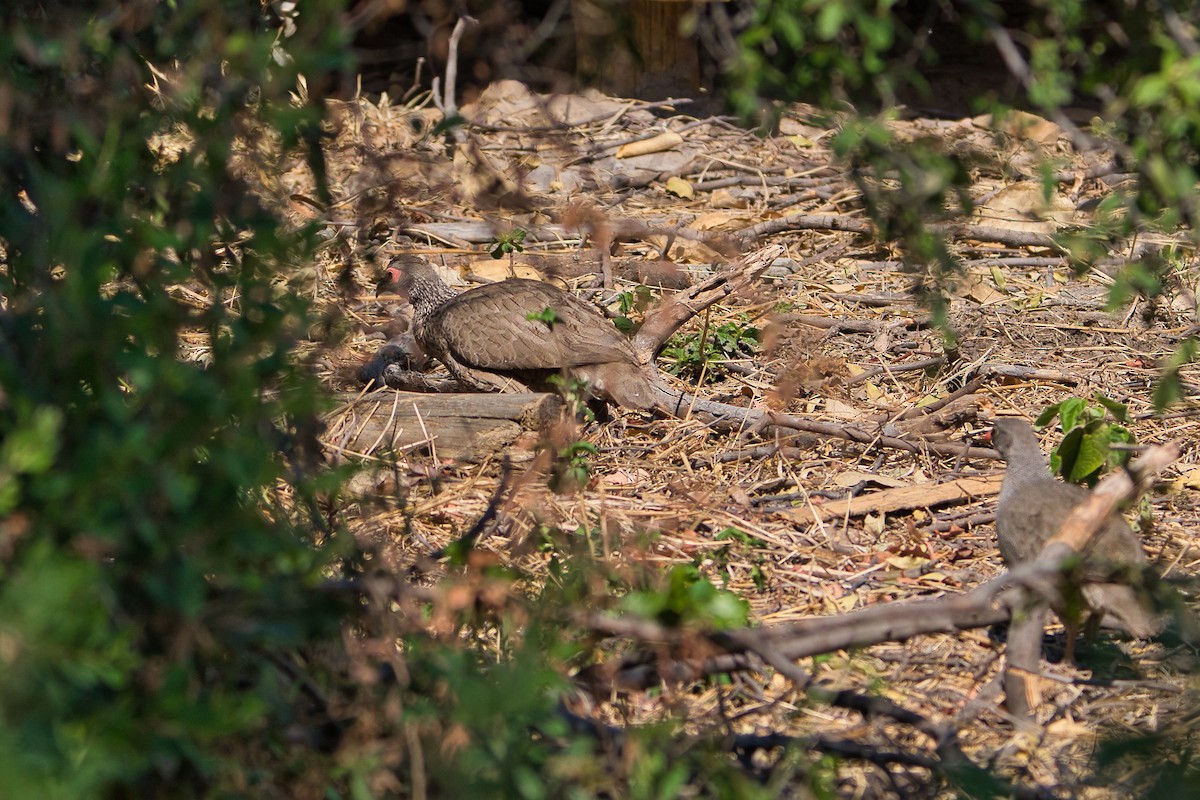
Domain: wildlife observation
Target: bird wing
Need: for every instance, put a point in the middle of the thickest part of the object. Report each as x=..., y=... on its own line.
x=490, y=327
x=1024, y=526
x=1035, y=513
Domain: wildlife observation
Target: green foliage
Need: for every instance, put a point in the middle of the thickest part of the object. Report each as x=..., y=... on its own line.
x=508, y=243
x=826, y=53
x=448, y=125
x=548, y=316
x=724, y=555
x=486, y=710
x=689, y=598
x=156, y=554
x=27, y=451
x=497, y=728
x=629, y=302
x=1136, y=61
x=736, y=535
x=1167, y=760
x=905, y=189
x=1086, y=450
x=575, y=394
x=571, y=470
x=493, y=720
x=694, y=354
x=1170, y=386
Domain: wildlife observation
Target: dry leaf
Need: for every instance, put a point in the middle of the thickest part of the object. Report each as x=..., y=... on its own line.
x=976, y=285
x=847, y=603
x=998, y=277
x=723, y=198
x=680, y=188
x=1188, y=480
x=623, y=477
x=657, y=144
x=497, y=269
x=853, y=477
x=905, y=562
x=1022, y=125
x=839, y=409
x=1070, y=729
x=1023, y=207
x=720, y=221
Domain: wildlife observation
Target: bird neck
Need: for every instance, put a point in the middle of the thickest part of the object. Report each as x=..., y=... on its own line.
x=1026, y=465
x=427, y=292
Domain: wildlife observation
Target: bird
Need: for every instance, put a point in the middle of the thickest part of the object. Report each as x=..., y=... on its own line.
x=516, y=334
x=1033, y=506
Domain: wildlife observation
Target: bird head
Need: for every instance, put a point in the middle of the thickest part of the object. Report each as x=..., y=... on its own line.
x=396, y=277
x=1011, y=436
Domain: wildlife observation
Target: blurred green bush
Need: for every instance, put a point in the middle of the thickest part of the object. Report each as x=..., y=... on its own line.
x=156, y=546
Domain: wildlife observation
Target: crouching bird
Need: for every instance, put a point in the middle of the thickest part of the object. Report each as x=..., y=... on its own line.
x=514, y=335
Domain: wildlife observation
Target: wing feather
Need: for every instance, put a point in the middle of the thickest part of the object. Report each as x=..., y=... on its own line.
x=489, y=327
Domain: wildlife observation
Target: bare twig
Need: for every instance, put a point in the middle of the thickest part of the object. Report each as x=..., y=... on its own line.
x=662, y=322
x=449, y=104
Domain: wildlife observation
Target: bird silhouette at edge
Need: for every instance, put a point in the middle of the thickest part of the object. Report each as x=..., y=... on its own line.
x=1033, y=506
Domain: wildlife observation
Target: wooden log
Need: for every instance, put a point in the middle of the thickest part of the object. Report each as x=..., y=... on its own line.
x=460, y=426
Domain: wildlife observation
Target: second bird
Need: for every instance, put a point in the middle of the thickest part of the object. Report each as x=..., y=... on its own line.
x=1031, y=509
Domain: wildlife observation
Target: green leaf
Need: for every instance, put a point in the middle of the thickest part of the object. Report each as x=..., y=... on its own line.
x=1067, y=452
x=830, y=19
x=1048, y=414
x=1118, y=434
x=1091, y=454
x=1070, y=412
x=576, y=448
x=31, y=447
x=448, y=124
x=1120, y=411
x=547, y=315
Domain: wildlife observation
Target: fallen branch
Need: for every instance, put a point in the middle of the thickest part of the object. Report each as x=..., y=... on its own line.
x=904, y=498
x=661, y=323
x=954, y=230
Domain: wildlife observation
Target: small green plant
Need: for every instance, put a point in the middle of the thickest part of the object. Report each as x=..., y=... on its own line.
x=575, y=394
x=547, y=315
x=738, y=535
x=1087, y=448
x=694, y=354
x=631, y=301
x=722, y=556
x=1170, y=386
x=506, y=244
x=689, y=597
x=572, y=470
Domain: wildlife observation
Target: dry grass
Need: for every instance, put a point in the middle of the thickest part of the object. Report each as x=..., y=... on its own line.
x=660, y=491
